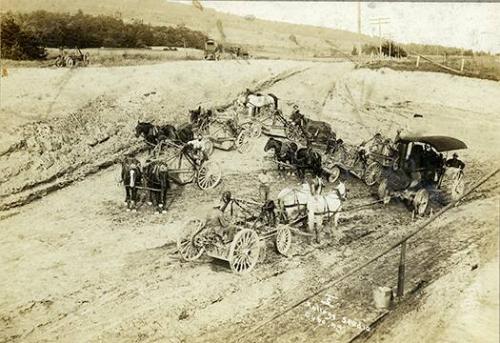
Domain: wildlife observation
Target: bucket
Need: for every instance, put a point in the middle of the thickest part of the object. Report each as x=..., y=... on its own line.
x=382, y=296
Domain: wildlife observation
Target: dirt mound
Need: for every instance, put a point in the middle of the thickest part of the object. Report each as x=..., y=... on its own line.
x=50, y=154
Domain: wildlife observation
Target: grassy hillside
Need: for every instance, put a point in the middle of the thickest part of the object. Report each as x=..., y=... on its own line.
x=259, y=36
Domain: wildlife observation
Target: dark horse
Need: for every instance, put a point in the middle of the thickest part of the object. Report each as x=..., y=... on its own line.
x=303, y=159
x=131, y=178
x=315, y=130
x=200, y=118
x=284, y=151
x=154, y=134
x=157, y=180
x=308, y=159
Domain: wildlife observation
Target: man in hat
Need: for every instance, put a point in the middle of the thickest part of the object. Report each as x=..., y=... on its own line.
x=454, y=162
x=216, y=222
x=264, y=185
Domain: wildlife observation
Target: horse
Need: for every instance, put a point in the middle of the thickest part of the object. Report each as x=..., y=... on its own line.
x=308, y=159
x=157, y=179
x=293, y=203
x=283, y=151
x=131, y=177
x=256, y=101
x=149, y=131
x=185, y=133
x=200, y=118
x=315, y=130
x=154, y=134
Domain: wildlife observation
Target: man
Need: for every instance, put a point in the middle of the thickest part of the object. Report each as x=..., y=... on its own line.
x=216, y=222
x=197, y=149
x=455, y=162
x=264, y=185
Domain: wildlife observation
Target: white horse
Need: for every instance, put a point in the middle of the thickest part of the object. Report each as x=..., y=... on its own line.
x=296, y=202
x=254, y=102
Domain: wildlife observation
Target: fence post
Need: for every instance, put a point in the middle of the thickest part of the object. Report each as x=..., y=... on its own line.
x=418, y=61
x=462, y=65
x=401, y=271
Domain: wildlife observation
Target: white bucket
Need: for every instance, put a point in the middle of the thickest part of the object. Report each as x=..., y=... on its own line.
x=382, y=296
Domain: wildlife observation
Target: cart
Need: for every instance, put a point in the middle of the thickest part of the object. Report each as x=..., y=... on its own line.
x=246, y=248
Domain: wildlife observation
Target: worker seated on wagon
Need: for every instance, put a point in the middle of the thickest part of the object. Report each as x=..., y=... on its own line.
x=296, y=110
x=217, y=223
x=196, y=150
x=454, y=167
x=454, y=162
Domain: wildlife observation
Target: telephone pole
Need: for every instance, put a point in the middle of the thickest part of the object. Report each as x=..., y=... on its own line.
x=359, y=28
x=380, y=21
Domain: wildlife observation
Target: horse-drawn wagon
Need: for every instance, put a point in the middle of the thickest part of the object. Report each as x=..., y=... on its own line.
x=212, y=50
x=421, y=170
x=177, y=164
x=243, y=244
x=364, y=161
x=75, y=59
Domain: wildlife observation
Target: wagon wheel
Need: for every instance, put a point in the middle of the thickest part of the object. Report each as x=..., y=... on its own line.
x=293, y=133
x=242, y=142
x=332, y=169
x=187, y=247
x=209, y=175
x=244, y=251
x=256, y=130
x=453, y=189
x=209, y=146
x=283, y=240
x=335, y=174
x=373, y=173
x=383, y=192
x=421, y=201
x=70, y=62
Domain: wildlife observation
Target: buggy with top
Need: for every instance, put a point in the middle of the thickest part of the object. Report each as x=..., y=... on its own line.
x=422, y=170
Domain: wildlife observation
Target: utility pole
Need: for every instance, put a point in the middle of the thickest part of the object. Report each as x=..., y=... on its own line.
x=359, y=27
x=380, y=22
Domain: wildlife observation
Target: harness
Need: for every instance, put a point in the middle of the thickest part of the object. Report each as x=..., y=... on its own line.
x=153, y=131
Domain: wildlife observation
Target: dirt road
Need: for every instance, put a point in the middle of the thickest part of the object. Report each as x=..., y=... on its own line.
x=79, y=267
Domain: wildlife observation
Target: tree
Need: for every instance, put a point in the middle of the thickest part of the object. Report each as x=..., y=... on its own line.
x=354, y=51
x=17, y=43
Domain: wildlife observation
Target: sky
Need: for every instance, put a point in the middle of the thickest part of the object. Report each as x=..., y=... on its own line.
x=465, y=25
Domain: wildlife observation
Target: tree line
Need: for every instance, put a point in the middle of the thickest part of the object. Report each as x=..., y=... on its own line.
x=26, y=35
x=402, y=50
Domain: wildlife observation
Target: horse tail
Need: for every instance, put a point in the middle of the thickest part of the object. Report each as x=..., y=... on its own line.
x=275, y=98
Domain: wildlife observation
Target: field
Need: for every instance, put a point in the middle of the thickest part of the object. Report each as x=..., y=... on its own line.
x=78, y=267
x=482, y=67
x=108, y=57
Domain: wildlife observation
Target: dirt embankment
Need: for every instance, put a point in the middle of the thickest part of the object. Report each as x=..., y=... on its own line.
x=95, y=131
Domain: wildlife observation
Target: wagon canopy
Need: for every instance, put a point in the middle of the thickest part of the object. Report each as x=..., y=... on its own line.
x=440, y=143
